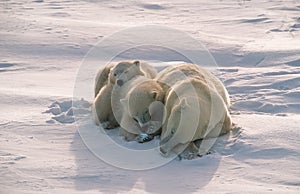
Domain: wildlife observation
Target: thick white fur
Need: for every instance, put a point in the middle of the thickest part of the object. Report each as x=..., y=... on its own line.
x=106, y=82
x=195, y=111
x=161, y=89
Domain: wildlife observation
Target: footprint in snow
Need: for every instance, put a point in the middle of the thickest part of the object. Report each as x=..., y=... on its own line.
x=63, y=112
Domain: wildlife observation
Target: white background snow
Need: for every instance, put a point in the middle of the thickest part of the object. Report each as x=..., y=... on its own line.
x=255, y=43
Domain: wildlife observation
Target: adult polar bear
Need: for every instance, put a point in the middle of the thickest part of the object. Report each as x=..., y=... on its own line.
x=195, y=112
x=140, y=99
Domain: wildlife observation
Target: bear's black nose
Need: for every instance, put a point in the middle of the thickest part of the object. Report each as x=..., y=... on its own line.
x=120, y=82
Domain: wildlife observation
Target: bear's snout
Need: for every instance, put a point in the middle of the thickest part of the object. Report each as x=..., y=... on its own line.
x=120, y=82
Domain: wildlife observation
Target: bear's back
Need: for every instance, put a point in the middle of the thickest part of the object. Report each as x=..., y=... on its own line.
x=101, y=78
x=148, y=70
x=170, y=76
x=175, y=73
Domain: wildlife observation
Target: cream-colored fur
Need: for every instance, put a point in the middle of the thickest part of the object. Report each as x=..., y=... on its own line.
x=195, y=111
x=171, y=75
x=146, y=93
x=102, y=110
x=124, y=71
x=104, y=104
x=102, y=78
x=129, y=128
x=142, y=96
x=138, y=101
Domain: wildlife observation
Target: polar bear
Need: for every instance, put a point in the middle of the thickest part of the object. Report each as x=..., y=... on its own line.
x=143, y=95
x=129, y=128
x=104, y=104
x=102, y=78
x=139, y=101
x=124, y=71
x=196, y=111
x=179, y=72
x=101, y=108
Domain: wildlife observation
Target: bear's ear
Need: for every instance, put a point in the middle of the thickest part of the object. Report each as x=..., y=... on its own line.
x=183, y=103
x=137, y=63
x=154, y=94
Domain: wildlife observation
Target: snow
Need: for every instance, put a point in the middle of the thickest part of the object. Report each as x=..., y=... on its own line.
x=43, y=47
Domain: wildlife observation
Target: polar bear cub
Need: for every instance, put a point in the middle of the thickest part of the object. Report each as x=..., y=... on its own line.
x=128, y=75
x=106, y=82
x=125, y=71
x=102, y=77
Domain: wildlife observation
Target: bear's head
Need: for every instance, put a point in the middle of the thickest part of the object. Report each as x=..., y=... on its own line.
x=181, y=127
x=144, y=105
x=125, y=71
x=168, y=136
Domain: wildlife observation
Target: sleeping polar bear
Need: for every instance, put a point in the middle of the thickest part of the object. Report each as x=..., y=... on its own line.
x=128, y=75
x=141, y=98
x=194, y=112
x=106, y=80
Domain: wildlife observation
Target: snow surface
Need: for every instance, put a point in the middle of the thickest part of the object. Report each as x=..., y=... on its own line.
x=43, y=42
